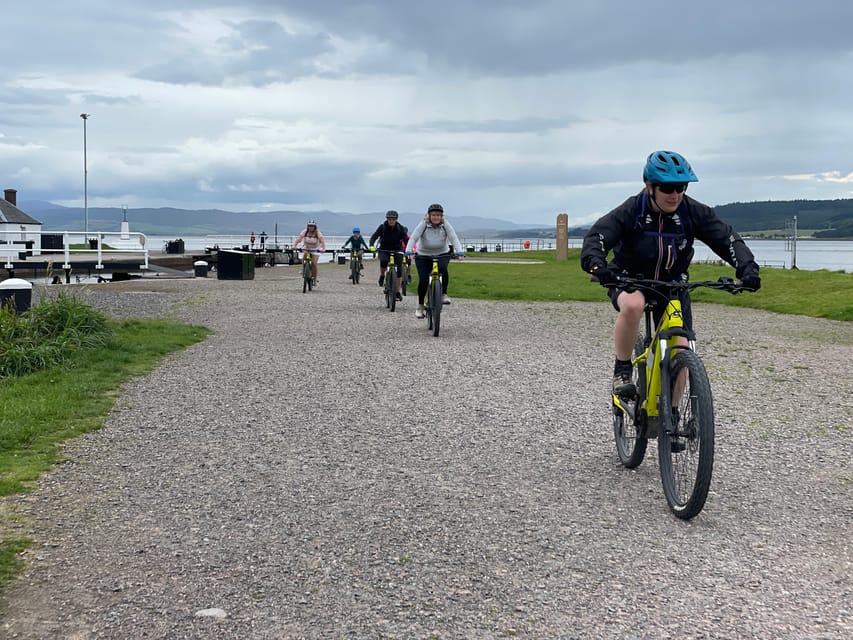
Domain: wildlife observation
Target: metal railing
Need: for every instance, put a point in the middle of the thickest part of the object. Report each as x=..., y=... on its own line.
x=98, y=245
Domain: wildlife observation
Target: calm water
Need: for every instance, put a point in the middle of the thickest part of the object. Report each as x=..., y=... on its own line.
x=834, y=255
x=811, y=254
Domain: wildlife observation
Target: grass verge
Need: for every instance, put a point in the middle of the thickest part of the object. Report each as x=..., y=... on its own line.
x=818, y=294
x=42, y=409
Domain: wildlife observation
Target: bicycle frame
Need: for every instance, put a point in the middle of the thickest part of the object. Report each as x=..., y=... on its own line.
x=306, y=258
x=392, y=261
x=659, y=348
x=355, y=266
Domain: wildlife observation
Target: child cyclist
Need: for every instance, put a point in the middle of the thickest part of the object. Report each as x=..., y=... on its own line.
x=358, y=245
x=314, y=243
x=433, y=237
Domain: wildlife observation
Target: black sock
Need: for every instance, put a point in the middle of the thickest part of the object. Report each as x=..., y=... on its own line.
x=622, y=366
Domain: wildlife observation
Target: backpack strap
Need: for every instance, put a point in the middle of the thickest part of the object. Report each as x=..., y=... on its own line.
x=683, y=214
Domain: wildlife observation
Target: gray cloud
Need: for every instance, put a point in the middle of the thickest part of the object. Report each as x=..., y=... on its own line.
x=499, y=107
x=256, y=52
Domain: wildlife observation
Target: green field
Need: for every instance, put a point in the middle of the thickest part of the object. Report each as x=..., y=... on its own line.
x=820, y=294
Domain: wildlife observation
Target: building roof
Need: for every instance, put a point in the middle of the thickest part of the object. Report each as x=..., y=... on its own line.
x=10, y=214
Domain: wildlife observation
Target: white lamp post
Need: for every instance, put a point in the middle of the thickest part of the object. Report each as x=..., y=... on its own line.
x=85, y=117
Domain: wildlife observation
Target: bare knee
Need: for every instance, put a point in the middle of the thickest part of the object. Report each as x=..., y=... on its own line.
x=631, y=305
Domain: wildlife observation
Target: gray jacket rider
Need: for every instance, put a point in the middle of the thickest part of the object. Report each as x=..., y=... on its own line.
x=434, y=240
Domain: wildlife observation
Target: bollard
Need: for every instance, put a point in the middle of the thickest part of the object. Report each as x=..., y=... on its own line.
x=16, y=292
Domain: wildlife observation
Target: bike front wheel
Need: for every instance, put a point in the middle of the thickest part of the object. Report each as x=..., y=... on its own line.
x=435, y=306
x=307, y=276
x=391, y=292
x=631, y=439
x=686, y=440
x=354, y=270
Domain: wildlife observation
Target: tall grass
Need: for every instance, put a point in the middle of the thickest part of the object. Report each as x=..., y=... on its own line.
x=47, y=333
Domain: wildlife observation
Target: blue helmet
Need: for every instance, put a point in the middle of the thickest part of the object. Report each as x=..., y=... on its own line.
x=356, y=230
x=663, y=167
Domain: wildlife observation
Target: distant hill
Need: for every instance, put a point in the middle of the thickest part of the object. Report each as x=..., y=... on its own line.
x=832, y=219
x=829, y=219
x=186, y=222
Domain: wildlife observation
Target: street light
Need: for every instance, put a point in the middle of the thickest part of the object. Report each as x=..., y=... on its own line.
x=85, y=117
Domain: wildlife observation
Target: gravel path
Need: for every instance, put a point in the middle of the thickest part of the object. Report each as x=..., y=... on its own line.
x=459, y=487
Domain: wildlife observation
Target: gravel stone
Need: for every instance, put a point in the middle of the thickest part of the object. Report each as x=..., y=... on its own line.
x=322, y=468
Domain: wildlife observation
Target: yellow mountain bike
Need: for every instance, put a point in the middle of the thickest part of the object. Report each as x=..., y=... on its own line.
x=307, y=272
x=671, y=399
x=392, y=276
x=355, y=266
x=433, y=299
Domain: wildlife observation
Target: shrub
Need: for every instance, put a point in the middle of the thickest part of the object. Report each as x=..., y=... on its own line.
x=44, y=335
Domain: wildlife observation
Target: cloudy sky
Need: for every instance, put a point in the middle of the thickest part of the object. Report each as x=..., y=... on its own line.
x=503, y=108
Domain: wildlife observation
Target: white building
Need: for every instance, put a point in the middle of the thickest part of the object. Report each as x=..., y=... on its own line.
x=17, y=229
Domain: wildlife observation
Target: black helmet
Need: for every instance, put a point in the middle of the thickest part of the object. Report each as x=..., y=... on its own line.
x=391, y=215
x=435, y=207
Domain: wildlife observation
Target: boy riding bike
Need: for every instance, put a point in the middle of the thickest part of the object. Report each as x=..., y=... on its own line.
x=358, y=245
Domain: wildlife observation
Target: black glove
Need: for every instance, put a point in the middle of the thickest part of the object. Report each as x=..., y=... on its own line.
x=605, y=277
x=751, y=282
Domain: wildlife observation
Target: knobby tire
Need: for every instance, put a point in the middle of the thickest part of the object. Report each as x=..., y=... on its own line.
x=391, y=280
x=354, y=271
x=631, y=439
x=435, y=304
x=686, y=472
x=307, y=273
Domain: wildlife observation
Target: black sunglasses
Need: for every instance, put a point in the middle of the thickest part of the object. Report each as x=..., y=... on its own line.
x=672, y=188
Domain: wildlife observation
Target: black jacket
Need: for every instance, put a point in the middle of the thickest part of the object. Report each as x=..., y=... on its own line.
x=390, y=238
x=660, y=246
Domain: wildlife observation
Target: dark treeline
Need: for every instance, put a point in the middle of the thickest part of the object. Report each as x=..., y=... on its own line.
x=829, y=218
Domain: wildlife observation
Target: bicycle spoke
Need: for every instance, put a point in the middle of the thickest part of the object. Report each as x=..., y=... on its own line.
x=686, y=444
x=631, y=441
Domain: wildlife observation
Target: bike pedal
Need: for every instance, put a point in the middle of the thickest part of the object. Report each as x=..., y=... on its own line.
x=677, y=446
x=627, y=391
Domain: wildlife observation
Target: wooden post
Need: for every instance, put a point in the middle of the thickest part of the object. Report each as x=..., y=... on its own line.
x=562, y=236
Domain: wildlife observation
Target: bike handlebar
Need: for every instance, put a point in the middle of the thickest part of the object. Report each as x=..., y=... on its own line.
x=452, y=256
x=723, y=283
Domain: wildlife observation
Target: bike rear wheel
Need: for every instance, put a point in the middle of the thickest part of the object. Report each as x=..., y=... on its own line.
x=435, y=306
x=631, y=440
x=686, y=440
